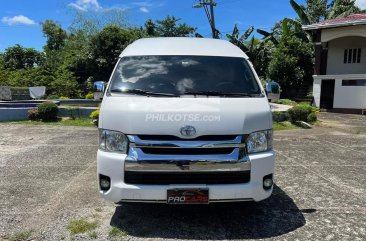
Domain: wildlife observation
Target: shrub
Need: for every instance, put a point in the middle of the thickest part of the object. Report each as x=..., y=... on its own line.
x=94, y=115
x=280, y=116
x=52, y=97
x=301, y=112
x=48, y=111
x=286, y=102
x=89, y=96
x=74, y=112
x=312, y=118
x=33, y=114
x=64, y=98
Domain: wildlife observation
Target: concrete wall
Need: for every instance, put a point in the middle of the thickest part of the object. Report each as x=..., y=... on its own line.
x=335, y=33
x=316, y=91
x=335, y=63
x=345, y=97
x=13, y=114
x=82, y=112
x=349, y=97
x=19, y=114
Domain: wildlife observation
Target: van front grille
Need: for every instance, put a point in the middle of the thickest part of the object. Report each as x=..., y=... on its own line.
x=159, y=160
x=175, y=138
x=187, y=151
x=167, y=178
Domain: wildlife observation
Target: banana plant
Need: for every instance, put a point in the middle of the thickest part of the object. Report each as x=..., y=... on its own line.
x=240, y=41
x=300, y=11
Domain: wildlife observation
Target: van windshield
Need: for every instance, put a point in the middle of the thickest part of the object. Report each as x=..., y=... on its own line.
x=184, y=75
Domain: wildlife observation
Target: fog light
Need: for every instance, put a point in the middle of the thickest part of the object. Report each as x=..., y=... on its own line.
x=104, y=182
x=268, y=182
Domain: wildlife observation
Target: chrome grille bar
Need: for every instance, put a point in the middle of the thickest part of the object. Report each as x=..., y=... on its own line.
x=187, y=166
x=135, y=141
x=159, y=162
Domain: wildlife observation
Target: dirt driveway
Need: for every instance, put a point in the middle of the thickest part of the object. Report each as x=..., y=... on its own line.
x=48, y=180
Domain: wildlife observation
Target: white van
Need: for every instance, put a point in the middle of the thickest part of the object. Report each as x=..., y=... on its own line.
x=185, y=121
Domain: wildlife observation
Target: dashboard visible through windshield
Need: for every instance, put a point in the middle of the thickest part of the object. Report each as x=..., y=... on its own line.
x=184, y=75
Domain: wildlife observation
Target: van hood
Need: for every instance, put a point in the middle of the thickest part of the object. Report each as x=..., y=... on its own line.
x=138, y=115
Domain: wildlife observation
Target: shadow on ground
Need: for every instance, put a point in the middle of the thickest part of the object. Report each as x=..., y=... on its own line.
x=272, y=217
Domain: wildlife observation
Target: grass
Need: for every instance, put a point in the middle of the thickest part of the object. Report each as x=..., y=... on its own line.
x=79, y=105
x=93, y=235
x=60, y=122
x=356, y=132
x=81, y=226
x=116, y=233
x=286, y=102
x=286, y=125
x=21, y=236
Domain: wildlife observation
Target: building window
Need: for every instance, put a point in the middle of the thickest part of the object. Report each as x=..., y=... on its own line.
x=354, y=82
x=352, y=56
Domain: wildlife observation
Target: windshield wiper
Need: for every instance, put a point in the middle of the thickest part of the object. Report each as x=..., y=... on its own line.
x=142, y=92
x=218, y=93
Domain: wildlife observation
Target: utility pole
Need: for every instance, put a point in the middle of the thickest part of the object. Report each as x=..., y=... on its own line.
x=208, y=6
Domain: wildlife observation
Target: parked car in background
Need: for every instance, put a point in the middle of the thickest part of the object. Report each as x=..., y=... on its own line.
x=185, y=121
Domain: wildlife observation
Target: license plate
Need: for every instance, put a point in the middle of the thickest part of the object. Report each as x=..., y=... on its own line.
x=187, y=196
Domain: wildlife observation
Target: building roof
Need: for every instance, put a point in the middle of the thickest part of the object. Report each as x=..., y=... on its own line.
x=183, y=46
x=354, y=19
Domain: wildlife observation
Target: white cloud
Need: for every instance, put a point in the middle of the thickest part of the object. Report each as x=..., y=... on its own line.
x=147, y=6
x=85, y=5
x=18, y=20
x=144, y=9
x=361, y=4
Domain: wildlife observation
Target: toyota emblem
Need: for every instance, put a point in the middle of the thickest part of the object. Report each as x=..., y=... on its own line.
x=188, y=131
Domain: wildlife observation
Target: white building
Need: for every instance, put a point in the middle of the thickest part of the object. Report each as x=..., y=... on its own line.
x=340, y=64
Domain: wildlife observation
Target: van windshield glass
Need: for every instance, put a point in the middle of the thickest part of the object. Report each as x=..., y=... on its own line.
x=180, y=75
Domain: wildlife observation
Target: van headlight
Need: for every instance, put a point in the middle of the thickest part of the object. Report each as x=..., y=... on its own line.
x=260, y=141
x=113, y=141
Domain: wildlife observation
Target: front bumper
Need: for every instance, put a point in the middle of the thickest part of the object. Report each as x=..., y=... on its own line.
x=113, y=164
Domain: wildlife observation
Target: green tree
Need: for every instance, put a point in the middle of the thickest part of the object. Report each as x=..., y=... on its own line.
x=30, y=77
x=258, y=51
x=150, y=28
x=76, y=54
x=105, y=47
x=342, y=8
x=260, y=54
x=318, y=10
x=169, y=27
x=92, y=22
x=292, y=64
x=18, y=57
x=56, y=36
x=64, y=84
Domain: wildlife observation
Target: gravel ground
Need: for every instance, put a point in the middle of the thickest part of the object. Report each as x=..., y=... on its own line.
x=48, y=179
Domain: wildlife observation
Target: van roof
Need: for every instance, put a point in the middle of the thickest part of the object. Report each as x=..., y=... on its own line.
x=183, y=46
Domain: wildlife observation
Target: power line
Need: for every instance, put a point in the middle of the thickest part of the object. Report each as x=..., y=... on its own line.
x=208, y=6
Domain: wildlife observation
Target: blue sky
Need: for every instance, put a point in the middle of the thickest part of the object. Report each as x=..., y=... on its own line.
x=20, y=19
